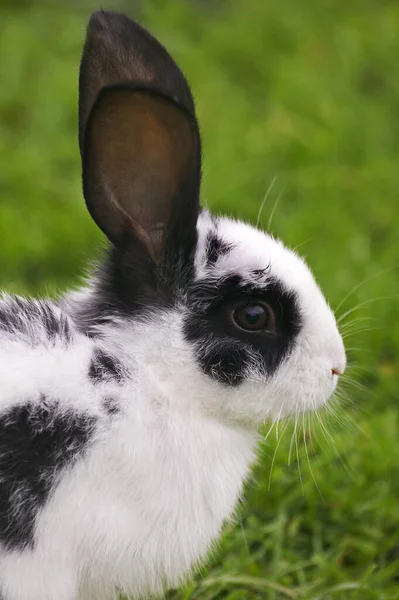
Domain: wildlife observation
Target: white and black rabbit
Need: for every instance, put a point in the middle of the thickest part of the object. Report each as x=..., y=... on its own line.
x=129, y=409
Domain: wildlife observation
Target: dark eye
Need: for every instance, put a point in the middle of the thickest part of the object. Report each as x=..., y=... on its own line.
x=254, y=317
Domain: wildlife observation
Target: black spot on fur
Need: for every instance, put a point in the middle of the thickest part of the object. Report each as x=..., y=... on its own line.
x=224, y=363
x=104, y=367
x=37, y=441
x=35, y=319
x=224, y=350
x=128, y=284
x=216, y=247
x=111, y=406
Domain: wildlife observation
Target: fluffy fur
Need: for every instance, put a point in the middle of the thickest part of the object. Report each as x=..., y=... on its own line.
x=129, y=409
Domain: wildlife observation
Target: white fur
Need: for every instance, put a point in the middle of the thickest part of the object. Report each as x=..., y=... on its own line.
x=145, y=503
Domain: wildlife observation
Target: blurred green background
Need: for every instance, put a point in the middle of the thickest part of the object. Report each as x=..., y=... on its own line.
x=301, y=99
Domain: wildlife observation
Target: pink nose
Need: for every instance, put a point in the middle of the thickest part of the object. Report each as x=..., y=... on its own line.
x=337, y=371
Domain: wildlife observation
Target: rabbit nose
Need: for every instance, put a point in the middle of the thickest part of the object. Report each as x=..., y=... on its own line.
x=338, y=370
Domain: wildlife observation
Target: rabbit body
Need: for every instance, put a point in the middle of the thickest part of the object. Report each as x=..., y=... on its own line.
x=148, y=481
x=129, y=409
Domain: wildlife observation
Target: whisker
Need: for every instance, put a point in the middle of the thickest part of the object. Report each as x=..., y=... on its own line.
x=364, y=303
x=348, y=422
x=310, y=422
x=326, y=434
x=244, y=536
x=295, y=248
x=355, y=367
x=345, y=326
x=290, y=449
x=292, y=436
x=274, y=457
x=297, y=454
x=341, y=418
x=347, y=405
x=264, y=201
x=332, y=444
x=275, y=423
x=366, y=280
x=278, y=419
x=346, y=335
x=269, y=431
x=269, y=223
x=349, y=381
x=356, y=349
x=307, y=455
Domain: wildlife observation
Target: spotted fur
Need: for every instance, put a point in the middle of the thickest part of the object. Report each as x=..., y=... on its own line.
x=35, y=321
x=129, y=409
x=104, y=367
x=37, y=440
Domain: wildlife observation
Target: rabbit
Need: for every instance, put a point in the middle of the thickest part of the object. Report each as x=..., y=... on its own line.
x=130, y=409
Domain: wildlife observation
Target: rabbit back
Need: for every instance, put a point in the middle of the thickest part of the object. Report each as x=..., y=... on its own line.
x=50, y=408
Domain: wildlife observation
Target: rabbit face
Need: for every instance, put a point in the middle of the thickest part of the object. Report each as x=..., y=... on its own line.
x=259, y=324
x=247, y=336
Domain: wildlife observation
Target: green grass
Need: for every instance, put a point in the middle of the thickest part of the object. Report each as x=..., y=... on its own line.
x=304, y=94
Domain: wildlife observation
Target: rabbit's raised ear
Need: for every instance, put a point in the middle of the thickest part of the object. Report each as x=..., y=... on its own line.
x=138, y=137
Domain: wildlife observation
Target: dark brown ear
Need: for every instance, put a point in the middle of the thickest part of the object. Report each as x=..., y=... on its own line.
x=139, y=139
x=117, y=50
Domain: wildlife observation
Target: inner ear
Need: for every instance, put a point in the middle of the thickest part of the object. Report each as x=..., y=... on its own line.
x=140, y=166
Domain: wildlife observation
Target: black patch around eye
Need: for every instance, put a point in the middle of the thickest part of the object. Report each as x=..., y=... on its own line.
x=223, y=363
x=104, y=367
x=225, y=351
x=37, y=441
x=215, y=248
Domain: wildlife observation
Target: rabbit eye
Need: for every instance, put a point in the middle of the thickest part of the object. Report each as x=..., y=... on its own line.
x=254, y=317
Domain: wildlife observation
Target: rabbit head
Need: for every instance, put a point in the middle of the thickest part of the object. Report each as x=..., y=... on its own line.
x=223, y=314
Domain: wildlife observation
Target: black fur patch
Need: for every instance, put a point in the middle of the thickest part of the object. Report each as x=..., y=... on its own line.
x=129, y=284
x=111, y=406
x=34, y=319
x=104, y=367
x=216, y=247
x=223, y=349
x=37, y=440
